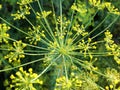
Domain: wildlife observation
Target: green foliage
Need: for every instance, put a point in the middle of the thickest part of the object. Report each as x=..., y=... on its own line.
x=12, y=2
x=67, y=50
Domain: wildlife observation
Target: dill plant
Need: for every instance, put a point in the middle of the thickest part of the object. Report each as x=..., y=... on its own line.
x=60, y=48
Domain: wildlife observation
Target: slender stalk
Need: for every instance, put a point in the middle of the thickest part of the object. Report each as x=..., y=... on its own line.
x=106, y=27
x=14, y=26
x=93, y=29
x=29, y=21
x=46, y=42
x=36, y=51
x=49, y=28
x=93, y=54
x=61, y=23
x=64, y=63
x=33, y=54
x=8, y=69
x=46, y=68
x=38, y=47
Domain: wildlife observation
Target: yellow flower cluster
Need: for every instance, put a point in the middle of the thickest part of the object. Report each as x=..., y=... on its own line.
x=89, y=66
x=23, y=80
x=3, y=33
x=62, y=24
x=113, y=76
x=73, y=83
x=24, y=10
x=24, y=2
x=101, y=5
x=112, y=48
x=16, y=52
x=96, y=3
x=35, y=35
x=110, y=87
x=63, y=21
x=43, y=14
x=85, y=47
x=80, y=30
x=83, y=13
x=79, y=8
x=111, y=8
x=63, y=83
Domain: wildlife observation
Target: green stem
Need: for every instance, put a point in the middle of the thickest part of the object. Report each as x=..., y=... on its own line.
x=38, y=47
x=64, y=63
x=14, y=26
x=8, y=69
x=33, y=54
x=46, y=68
x=49, y=28
x=93, y=29
x=106, y=27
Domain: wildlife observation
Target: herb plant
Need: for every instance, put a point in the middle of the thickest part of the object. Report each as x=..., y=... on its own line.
x=50, y=49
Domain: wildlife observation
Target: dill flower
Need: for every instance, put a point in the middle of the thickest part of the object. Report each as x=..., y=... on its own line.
x=3, y=33
x=72, y=83
x=20, y=14
x=113, y=76
x=62, y=44
x=16, y=52
x=35, y=35
x=24, y=80
x=113, y=49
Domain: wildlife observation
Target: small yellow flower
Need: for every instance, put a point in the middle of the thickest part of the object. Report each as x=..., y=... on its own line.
x=107, y=88
x=30, y=70
x=111, y=86
x=12, y=76
x=21, y=69
x=43, y=14
x=0, y=6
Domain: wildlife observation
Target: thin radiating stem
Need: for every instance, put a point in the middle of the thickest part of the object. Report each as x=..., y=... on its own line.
x=40, y=54
x=49, y=28
x=8, y=69
x=38, y=47
x=14, y=26
x=106, y=27
x=64, y=63
x=93, y=29
x=46, y=68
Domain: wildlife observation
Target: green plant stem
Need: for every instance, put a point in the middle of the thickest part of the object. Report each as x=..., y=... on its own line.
x=32, y=54
x=61, y=23
x=46, y=68
x=93, y=29
x=106, y=27
x=14, y=26
x=49, y=28
x=29, y=21
x=93, y=54
x=36, y=51
x=38, y=47
x=64, y=63
x=8, y=69
x=34, y=27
